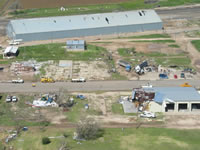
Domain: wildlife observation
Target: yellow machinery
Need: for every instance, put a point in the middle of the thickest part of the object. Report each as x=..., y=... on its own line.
x=185, y=85
x=33, y=85
x=46, y=80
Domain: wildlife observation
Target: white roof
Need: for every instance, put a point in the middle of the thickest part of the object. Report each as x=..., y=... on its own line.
x=11, y=49
x=63, y=23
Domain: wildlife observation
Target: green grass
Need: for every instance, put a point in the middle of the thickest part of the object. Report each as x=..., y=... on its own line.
x=14, y=114
x=2, y=3
x=113, y=139
x=196, y=44
x=117, y=109
x=174, y=46
x=155, y=41
x=56, y=51
x=88, y=9
x=150, y=36
x=77, y=111
x=179, y=2
x=102, y=42
x=179, y=61
x=152, y=54
x=126, y=52
x=118, y=76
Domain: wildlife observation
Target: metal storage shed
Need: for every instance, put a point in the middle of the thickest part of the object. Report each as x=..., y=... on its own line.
x=76, y=44
x=83, y=25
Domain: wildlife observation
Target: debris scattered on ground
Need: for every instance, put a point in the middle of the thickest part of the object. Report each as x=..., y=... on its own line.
x=31, y=66
x=45, y=100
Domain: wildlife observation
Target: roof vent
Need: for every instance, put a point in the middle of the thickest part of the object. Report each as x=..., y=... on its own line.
x=92, y=18
x=126, y=15
x=69, y=20
x=107, y=20
x=140, y=13
x=54, y=21
x=143, y=12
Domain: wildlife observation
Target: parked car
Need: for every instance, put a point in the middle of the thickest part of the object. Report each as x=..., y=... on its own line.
x=14, y=99
x=79, y=80
x=18, y=81
x=8, y=99
x=147, y=114
x=182, y=75
x=163, y=76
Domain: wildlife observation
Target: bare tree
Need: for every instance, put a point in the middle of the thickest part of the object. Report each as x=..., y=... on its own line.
x=87, y=129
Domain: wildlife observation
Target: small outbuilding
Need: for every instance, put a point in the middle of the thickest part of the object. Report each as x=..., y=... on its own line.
x=11, y=51
x=76, y=45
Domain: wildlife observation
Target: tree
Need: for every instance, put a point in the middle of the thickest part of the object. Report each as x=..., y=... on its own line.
x=88, y=129
x=45, y=140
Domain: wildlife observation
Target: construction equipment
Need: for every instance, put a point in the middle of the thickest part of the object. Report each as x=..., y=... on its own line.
x=33, y=85
x=185, y=85
x=46, y=80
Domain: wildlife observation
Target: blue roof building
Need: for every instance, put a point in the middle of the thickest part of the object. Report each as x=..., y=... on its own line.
x=176, y=99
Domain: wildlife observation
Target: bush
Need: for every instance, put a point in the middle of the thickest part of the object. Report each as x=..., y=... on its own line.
x=88, y=129
x=45, y=140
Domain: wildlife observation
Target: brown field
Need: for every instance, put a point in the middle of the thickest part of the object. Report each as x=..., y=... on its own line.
x=59, y=3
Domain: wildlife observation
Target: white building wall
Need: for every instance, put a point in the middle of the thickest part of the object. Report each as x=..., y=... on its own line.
x=155, y=107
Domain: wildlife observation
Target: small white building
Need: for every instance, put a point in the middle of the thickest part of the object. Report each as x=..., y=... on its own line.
x=76, y=45
x=10, y=51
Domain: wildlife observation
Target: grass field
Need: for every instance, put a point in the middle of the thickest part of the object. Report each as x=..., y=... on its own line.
x=196, y=43
x=126, y=52
x=117, y=109
x=155, y=41
x=123, y=6
x=78, y=111
x=2, y=3
x=15, y=114
x=150, y=36
x=56, y=51
x=130, y=55
x=179, y=61
x=113, y=139
x=174, y=46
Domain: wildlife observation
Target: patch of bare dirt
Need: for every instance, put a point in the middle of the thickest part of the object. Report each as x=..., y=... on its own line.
x=55, y=117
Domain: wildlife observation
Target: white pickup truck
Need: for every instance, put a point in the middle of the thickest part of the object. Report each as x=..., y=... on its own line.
x=79, y=80
x=13, y=43
x=18, y=81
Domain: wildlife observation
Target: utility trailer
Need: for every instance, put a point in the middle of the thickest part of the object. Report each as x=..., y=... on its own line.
x=125, y=64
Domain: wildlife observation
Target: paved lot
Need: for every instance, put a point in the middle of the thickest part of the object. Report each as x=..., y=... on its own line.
x=89, y=86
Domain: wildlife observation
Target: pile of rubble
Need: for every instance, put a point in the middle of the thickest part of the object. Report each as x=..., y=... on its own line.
x=46, y=100
x=27, y=66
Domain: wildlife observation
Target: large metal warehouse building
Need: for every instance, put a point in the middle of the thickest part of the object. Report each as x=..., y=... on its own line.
x=83, y=25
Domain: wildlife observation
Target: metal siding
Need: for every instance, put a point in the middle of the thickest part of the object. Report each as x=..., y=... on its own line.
x=89, y=32
x=76, y=22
